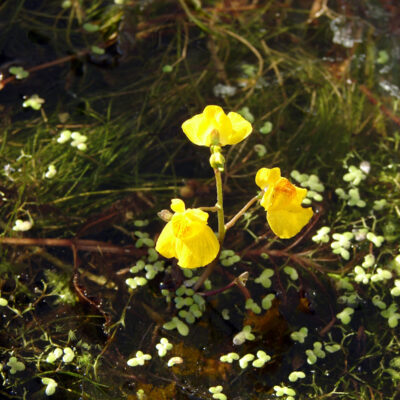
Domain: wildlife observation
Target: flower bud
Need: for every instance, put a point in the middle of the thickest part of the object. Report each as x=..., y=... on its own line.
x=217, y=161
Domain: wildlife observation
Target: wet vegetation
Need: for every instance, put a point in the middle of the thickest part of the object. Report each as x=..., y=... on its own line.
x=93, y=95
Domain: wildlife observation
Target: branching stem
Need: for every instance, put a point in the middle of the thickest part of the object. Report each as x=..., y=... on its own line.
x=233, y=221
x=221, y=228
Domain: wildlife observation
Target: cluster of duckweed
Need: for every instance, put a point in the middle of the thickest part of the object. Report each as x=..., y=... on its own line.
x=149, y=266
x=312, y=183
x=36, y=355
x=189, y=306
x=228, y=258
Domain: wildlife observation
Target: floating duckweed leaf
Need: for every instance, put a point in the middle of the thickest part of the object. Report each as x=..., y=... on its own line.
x=15, y=365
x=229, y=358
x=381, y=275
x=266, y=128
x=243, y=335
x=311, y=357
x=69, y=355
x=97, y=50
x=376, y=240
x=283, y=390
x=19, y=72
x=395, y=291
x=152, y=255
x=167, y=69
x=54, y=355
x=217, y=392
x=174, y=361
x=133, y=283
x=383, y=57
x=244, y=361
x=341, y=244
x=291, y=272
x=246, y=114
x=225, y=314
x=253, y=306
x=377, y=302
x=360, y=275
x=35, y=102
x=295, y=375
x=51, y=386
x=391, y=315
x=369, y=261
x=89, y=27
x=300, y=335
x=262, y=358
x=266, y=302
x=176, y=323
x=379, y=204
x=354, y=176
x=3, y=302
x=332, y=348
x=138, y=267
x=345, y=315
x=163, y=347
x=139, y=359
x=263, y=279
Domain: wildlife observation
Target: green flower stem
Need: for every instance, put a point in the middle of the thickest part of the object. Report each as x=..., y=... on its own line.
x=220, y=207
x=241, y=212
x=221, y=228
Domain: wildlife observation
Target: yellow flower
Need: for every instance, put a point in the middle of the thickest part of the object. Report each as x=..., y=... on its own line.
x=187, y=237
x=282, y=201
x=214, y=127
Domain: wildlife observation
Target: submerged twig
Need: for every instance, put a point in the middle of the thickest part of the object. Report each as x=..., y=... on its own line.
x=240, y=281
x=79, y=244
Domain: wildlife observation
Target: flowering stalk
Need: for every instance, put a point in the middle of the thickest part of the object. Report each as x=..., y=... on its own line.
x=233, y=221
x=221, y=227
x=220, y=207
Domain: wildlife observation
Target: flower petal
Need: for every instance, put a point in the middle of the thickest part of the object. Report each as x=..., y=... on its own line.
x=285, y=215
x=166, y=242
x=213, y=126
x=267, y=176
x=198, y=250
x=241, y=128
x=287, y=223
x=188, y=238
x=177, y=205
x=194, y=130
x=196, y=214
x=285, y=195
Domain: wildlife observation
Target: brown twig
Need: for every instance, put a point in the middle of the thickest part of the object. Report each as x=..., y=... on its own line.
x=374, y=101
x=78, y=244
x=49, y=64
x=240, y=281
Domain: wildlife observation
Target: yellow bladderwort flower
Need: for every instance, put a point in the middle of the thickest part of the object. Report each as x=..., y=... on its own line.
x=187, y=237
x=282, y=201
x=214, y=127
